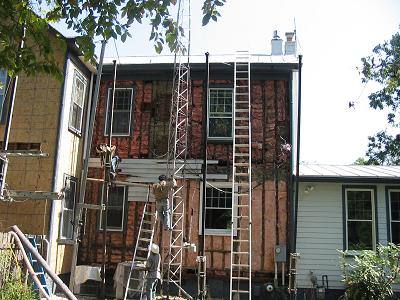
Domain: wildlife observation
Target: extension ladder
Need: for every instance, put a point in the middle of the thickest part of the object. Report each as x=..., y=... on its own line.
x=240, y=285
x=37, y=267
x=135, y=286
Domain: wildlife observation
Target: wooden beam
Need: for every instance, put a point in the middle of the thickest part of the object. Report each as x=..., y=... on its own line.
x=35, y=195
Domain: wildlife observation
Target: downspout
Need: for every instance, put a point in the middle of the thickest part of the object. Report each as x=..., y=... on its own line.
x=57, y=158
x=296, y=196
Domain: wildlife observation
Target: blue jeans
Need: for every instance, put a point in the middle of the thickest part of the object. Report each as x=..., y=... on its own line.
x=164, y=212
x=151, y=287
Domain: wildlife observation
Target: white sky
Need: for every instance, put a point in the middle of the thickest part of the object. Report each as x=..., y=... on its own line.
x=332, y=36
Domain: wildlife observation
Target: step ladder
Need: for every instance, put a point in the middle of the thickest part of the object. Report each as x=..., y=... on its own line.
x=240, y=285
x=135, y=286
x=37, y=267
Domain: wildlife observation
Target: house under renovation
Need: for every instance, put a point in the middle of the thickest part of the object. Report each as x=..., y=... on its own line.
x=234, y=209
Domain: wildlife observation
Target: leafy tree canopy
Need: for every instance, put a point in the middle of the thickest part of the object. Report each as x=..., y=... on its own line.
x=90, y=19
x=383, y=67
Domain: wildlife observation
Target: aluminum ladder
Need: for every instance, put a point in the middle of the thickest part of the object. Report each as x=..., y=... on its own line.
x=135, y=286
x=37, y=267
x=240, y=284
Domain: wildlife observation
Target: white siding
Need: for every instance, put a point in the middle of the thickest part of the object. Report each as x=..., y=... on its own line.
x=320, y=231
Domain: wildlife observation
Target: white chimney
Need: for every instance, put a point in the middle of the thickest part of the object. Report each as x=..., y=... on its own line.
x=290, y=44
x=276, y=44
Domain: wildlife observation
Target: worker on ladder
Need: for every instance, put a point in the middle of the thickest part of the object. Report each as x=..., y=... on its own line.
x=153, y=272
x=161, y=191
x=103, y=150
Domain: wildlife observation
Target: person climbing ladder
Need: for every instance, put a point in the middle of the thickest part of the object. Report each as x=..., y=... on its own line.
x=161, y=191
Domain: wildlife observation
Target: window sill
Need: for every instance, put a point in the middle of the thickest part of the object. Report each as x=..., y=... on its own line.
x=220, y=141
x=75, y=131
x=65, y=241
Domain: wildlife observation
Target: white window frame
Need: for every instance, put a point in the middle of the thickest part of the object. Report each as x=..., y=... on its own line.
x=3, y=89
x=75, y=102
x=390, y=212
x=373, y=220
x=109, y=94
x=209, y=116
x=72, y=180
x=216, y=184
x=124, y=203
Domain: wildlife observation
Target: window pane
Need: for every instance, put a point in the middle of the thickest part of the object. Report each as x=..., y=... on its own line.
x=114, y=219
x=395, y=205
x=359, y=235
x=220, y=127
x=396, y=233
x=66, y=227
x=359, y=205
x=218, y=218
x=121, y=122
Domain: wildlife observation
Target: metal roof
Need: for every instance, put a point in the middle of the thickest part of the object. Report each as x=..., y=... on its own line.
x=349, y=173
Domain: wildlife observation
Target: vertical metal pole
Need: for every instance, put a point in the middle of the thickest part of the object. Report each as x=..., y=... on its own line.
x=202, y=258
x=293, y=295
x=107, y=180
x=81, y=200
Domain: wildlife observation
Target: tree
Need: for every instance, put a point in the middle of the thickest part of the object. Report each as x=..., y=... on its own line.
x=383, y=67
x=28, y=20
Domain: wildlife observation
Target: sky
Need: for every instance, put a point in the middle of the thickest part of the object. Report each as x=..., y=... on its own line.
x=332, y=36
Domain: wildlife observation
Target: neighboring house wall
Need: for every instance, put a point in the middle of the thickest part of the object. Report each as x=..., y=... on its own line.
x=148, y=139
x=321, y=227
x=42, y=120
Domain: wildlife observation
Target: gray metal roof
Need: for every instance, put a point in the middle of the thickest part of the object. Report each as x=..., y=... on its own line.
x=355, y=173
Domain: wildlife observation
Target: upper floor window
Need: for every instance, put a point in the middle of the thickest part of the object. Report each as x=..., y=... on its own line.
x=360, y=219
x=116, y=209
x=122, y=111
x=68, y=206
x=220, y=114
x=394, y=213
x=77, y=102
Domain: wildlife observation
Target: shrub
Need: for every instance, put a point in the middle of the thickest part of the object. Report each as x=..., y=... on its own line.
x=371, y=274
x=17, y=290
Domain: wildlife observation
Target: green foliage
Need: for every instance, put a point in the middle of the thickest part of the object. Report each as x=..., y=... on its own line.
x=90, y=20
x=371, y=274
x=383, y=67
x=383, y=149
x=16, y=290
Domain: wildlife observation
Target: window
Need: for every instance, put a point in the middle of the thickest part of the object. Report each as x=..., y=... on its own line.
x=3, y=89
x=68, y=206
x=116, y=209
x=123, y=103
x=360, y=219
x=220, y=114
x=77, y=102
x=394, y=212
x=218, y=208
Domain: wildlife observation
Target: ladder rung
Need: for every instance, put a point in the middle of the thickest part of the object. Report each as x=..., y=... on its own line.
x=242, y=183
x=240, y=291
x=242, y=194
x=144, y=240
x=241, y=228
x=240, y=278
x=241, y=164
x=241, y=136
x=242, y=119
x=241, y=174
x=242, y=94
x=242, y=145
x=146, y=230
x=240, y=252
x=240, y=241
x=141, y=258
x=241, y=127
x=242, y=154
x=238, y=217
x=240, y=265
x=142, y=249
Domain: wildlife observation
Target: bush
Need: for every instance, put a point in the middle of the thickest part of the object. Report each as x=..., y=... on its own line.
x=371, y=274
x=16, y=290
